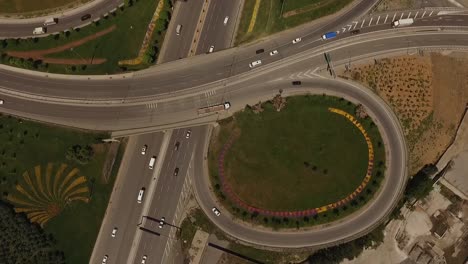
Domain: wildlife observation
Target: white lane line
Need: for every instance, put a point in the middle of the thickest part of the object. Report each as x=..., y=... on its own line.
x=363, y=23
x=370, y=21
x=394, y=15
x=409, y=14
x=402, y=15
x=423, y=14
x=378, y=19
x=355, y=24
x=415, y=16
x=385, y=22
x=431, y=13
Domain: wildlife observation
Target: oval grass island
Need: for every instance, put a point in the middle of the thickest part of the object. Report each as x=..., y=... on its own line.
x=317, y=159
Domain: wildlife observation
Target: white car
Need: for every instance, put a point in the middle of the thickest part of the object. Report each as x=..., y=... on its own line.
x=114, y=232
x=211, y=49
x=216, y=211
x=226, y=19
x=296, y=40
x=143, y=149
x=143, y=260
x=140, y=195
x=104, y=260
x=255, y=64
x=161, y=222
x=187, y=135
x=1, y=101
x=273, y=52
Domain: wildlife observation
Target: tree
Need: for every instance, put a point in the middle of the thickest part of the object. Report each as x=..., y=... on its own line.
x=24, y=242
x=420, y=185
x=80, y=154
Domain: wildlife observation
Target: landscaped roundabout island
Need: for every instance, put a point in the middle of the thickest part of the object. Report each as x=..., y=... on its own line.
x=296, y=161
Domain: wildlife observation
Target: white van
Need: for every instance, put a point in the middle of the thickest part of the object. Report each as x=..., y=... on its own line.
x=152, y=161
x=255, y=63
x=140, y=195
x=178, y=29
x=51, y=21
x=39, y=30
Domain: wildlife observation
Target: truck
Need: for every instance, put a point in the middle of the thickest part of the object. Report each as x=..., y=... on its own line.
x=51, y=21
x=214, y=108
x=329, y=35
x=39, y=30
x=402, y=22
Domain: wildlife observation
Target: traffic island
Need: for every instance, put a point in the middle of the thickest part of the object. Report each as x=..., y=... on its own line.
x=297, y=161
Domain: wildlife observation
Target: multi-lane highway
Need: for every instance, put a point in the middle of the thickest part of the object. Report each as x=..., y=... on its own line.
x=123, y=210
x=167, y=96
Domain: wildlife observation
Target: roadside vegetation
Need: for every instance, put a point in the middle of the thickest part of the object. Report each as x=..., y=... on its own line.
x=27, y=8
x=198, y=220
x=271, y=16
x=23, y=242
x=428, y=94
x=96, y=48
x=428, y=99
x=302, y=145
x=56, y=177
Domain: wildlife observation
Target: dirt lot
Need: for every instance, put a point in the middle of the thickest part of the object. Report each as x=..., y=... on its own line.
x=428, y=92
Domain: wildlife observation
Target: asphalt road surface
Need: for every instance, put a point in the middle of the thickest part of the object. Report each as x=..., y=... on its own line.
x=215, y=32
x=123, y=211
x=179, y=108
x=159, y=245
x=169, y=199
x=160, y=105
x=351, y=227
x=177, y=46
x=67, y=20
x=218, y=68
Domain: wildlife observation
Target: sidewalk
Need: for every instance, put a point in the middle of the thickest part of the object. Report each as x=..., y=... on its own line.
x=63, y=13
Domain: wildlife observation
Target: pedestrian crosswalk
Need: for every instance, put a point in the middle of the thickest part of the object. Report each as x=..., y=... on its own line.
x=152, y=105
x=386, y=18
x=210, y=93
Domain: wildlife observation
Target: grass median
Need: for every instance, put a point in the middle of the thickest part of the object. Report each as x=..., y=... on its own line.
x=127, y=28
x=274, y=16
x=37, y=173
x=300, y=158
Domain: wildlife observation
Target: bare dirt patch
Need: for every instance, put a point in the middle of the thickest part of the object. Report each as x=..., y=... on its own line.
x=40, y=54
x=427, y=92
x=304, y=9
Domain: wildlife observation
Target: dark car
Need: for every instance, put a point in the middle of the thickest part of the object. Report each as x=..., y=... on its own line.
x=296, y=83
x=85, y=17
x=260, y=51
x=176, y=171
x=177, y=144
x=354, y=32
